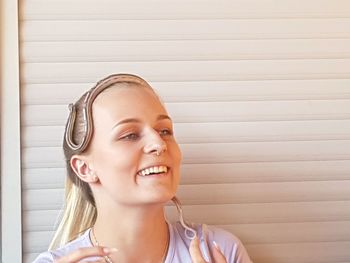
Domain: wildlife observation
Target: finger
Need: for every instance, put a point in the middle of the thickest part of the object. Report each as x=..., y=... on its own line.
x=82, y=253
x=195, y=251
x=218, y=256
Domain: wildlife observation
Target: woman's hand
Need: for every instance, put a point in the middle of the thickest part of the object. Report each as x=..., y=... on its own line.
x=197, y=256
x=83, y=253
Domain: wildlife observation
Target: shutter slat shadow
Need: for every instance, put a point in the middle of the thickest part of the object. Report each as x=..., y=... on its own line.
x=157, y=9
x=216, y=70
x=232, y=173
x=112, y=51
x=190, y=29
x=219, y=112
x=224, y=214
x=206, y=91
x=213, y=194
x=209, y=153
x=221, y=132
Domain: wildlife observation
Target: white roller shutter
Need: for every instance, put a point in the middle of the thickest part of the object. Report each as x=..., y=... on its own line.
x=260, y=94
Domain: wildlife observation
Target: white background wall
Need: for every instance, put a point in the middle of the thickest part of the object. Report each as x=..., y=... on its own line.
x=259, y=91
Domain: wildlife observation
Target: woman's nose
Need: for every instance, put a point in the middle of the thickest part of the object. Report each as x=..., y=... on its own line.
x=155, y=144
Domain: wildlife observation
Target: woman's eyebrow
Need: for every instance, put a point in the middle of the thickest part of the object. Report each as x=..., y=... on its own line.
x=162, y=117
x=127, y=121
x=135, y=120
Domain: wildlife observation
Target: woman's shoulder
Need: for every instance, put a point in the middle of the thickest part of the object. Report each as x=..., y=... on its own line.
x=79, y=242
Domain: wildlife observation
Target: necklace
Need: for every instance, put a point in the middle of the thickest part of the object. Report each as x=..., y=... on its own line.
x=109, y=260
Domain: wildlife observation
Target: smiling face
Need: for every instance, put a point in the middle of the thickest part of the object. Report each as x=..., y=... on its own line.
x=130, y=127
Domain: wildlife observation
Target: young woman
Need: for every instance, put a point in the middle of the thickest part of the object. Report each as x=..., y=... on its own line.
x=123, y=166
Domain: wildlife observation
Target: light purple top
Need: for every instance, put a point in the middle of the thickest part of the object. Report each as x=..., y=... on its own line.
x=178, y=251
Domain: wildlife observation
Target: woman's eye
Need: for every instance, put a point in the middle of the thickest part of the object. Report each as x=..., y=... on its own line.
x=165, y=132
x=130, y=136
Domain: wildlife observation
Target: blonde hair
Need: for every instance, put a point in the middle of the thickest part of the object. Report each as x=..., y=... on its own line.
x=79, y=212
x=79, y=215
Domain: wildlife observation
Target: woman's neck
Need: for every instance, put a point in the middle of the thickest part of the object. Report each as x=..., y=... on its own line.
x=139, y=234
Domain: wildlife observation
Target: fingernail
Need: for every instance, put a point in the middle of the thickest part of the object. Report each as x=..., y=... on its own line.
x=110, y=250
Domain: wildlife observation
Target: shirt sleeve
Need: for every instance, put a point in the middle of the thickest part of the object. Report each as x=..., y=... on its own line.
x=229, y=244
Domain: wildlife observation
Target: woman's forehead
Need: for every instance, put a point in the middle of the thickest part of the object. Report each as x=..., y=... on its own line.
x=128, y=101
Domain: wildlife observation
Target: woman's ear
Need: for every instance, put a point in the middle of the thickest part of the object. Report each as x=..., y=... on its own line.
x=82, y=169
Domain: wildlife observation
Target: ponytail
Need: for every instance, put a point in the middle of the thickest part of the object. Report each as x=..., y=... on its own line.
x=78, y=215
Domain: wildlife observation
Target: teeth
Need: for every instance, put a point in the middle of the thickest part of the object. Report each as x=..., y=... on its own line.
x=155, y=169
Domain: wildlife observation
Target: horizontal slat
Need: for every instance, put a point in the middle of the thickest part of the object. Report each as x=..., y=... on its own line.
x=323, y=252
x=256, y=151
x=210, y=194
x=156, y=9
x=268, y=131
x=189, y=70
x=222, y=153
x=280, y=233
x=41, y=178
x=37, y=241
x=32, y=115
x=248, y=233
x=264, y=192
x=112, y=51
x=265, y=172
x=190, y=29
x=208, y=91
x=44, y=199
x=41, y=220
x=48, y=136
x=51, y=178
x=263, y=213
x=266, y=213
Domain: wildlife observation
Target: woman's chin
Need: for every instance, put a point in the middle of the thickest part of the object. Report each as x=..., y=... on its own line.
x=160, y=198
